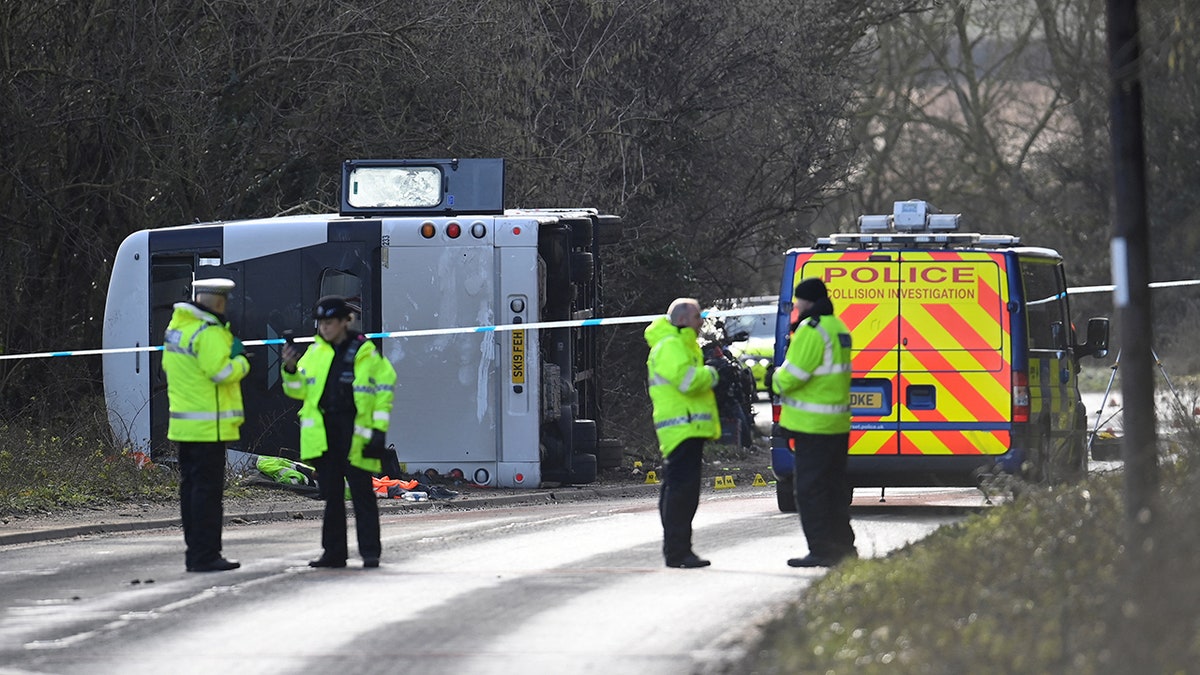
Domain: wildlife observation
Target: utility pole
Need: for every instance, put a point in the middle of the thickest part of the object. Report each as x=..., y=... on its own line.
x=1131, y=301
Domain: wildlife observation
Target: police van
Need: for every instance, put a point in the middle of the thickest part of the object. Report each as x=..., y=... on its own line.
x=964, y=355
x=423, y=247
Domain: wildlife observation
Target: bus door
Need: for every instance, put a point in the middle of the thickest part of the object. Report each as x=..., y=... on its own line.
x=276, y=294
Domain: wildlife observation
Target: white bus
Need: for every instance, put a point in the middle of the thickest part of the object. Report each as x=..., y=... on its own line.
x=418, y=244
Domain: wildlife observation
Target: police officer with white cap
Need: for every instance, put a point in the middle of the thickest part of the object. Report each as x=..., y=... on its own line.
x=204, y=364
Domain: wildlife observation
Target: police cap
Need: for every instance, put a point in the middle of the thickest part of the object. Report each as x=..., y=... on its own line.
x=811, y=289
x=212, y=287
x=331, y=307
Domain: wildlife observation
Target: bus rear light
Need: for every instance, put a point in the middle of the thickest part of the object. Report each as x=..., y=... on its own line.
x=428, y=230
x=1020, y=396
x=478, y=230
x=453, y=230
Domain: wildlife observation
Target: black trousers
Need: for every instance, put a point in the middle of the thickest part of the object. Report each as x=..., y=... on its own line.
x=679, y=497
x=334, y=471
x=822, y=494
x=201, y=485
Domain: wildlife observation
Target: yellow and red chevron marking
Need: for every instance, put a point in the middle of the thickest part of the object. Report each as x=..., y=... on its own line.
x=955, y=442
x=931, y=319
x=872, y=442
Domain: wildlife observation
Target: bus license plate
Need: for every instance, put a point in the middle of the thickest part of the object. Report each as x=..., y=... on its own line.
x=518, y=357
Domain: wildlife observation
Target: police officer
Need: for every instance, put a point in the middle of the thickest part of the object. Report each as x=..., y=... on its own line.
x=204, y=364
x=813, y=384
x=346, y=386
x=685, y=414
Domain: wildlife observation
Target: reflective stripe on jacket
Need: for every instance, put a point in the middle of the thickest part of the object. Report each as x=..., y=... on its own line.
x=374, y=380
x=204, y=385
x=813, y=382
x=680, y=386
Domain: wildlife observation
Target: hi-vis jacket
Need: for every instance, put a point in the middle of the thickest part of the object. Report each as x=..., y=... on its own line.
x=680, y=386
x=204, y=390
x=374, y=378
x=813, y=382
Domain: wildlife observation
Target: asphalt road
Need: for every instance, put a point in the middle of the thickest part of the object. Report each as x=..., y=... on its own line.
x=546, y=587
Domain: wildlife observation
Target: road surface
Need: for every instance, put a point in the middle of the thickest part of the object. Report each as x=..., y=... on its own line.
x=552, y=588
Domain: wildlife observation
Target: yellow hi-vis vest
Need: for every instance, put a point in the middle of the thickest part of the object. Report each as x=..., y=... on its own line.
x=680, y=386
x=204, y=384
x=374, y=379
x=813, y=382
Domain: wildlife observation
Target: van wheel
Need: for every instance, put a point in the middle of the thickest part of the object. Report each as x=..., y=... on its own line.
x=1038, y=468
x=1077, y=457
x=785, y=497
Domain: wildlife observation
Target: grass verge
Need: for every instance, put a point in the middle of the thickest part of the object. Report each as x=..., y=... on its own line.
x=1045, y=584
x=46, y=468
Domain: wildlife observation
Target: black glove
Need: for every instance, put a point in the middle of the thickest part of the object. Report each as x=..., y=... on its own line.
x=769, y=377
x=375, y=448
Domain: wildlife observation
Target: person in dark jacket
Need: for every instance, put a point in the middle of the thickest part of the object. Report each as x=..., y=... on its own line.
x=347, y=387
x=813, y=384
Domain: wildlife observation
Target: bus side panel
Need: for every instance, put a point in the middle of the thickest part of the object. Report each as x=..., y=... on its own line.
x=520, y=376
x=955, y=396
x=126, y=324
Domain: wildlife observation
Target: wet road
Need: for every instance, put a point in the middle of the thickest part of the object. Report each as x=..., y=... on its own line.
x=564, y=588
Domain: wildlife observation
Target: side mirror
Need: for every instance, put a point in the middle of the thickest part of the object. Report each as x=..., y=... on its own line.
x=740, y=336
x=1097, y=339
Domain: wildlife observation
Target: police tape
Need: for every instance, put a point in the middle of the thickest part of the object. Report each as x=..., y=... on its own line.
x=424, y=332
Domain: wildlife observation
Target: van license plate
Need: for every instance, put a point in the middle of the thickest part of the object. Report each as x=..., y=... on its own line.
x=866, y=399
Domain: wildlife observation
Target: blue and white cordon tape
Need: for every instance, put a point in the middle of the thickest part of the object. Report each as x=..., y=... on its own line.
x=611, y=321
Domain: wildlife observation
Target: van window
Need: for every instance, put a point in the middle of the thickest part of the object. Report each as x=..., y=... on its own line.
x=1046, y=303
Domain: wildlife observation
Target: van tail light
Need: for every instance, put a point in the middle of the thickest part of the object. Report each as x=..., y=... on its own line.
x=775, y=407
x=1020, y=396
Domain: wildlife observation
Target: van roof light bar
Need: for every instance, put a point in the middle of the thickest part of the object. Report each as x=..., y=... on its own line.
x=908, y=240
x=913, y=215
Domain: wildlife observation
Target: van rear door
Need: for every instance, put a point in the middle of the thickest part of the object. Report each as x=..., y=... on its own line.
x=865, y=290
x=954, y=384
x=932, y=354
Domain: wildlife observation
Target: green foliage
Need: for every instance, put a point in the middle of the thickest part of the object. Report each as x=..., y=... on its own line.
x=44, y=469
x=1042, y=584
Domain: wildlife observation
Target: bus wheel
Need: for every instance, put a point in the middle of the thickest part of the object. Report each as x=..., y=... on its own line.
x=583, y=469
x=609, y=453
x=785, y=496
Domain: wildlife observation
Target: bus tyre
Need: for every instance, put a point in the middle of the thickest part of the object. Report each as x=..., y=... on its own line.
x=785, y=496
x=609, y=453
x=581, y=267
x=583, y=469
x=581, y=233
x=583, y=436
